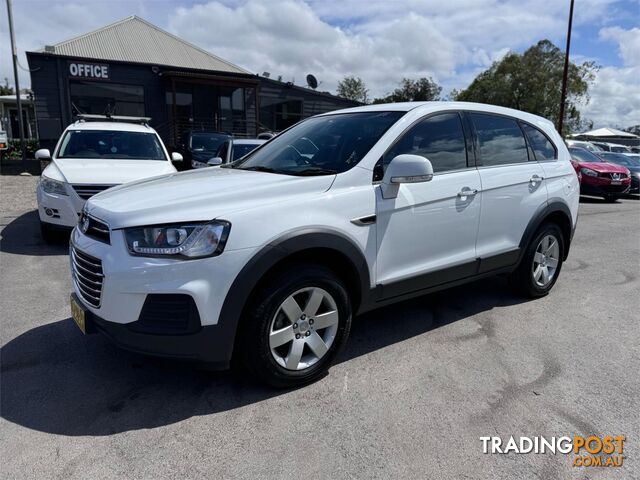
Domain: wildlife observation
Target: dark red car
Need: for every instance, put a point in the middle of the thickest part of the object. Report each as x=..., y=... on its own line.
x=599, y=177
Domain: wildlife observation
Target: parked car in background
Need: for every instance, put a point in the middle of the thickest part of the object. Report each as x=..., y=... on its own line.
x=612, y=147
x=598, y=177
x=629, y=161
x=235, y=148
x=198, y=147
x=92, y=155
x=592, y=147
x=266, y=259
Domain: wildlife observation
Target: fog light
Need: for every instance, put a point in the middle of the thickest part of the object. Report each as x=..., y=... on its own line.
x=48, y=212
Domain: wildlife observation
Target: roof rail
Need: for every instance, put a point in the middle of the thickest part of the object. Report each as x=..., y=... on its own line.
x=90, y=117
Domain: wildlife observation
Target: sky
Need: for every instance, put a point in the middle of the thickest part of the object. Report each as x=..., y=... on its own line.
x=381, y=41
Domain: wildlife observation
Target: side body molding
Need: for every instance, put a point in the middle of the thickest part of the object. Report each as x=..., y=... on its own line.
x=291, y=243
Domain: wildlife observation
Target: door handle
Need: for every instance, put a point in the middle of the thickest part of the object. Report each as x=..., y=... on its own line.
x=536, y=178
x=467, y=192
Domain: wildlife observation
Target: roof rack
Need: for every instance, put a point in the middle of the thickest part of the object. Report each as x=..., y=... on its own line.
x=91, y=117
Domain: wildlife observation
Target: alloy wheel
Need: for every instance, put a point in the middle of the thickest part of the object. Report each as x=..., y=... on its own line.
x=546, y=260
x=303, y=328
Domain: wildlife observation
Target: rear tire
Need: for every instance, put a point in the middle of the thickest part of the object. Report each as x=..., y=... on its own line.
x=295, y=326
x=541, y=263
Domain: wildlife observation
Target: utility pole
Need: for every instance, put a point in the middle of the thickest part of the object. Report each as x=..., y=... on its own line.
x=565, y=73
x=14, y=54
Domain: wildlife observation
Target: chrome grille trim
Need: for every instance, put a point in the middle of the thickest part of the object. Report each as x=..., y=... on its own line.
x=88, y=276
x=87, y=191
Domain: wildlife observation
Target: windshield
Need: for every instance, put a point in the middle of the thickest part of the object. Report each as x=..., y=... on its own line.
x=321, y=145
x=111, y=144
x=241, y=149
x=620, y=159
x=619, y=149
x=207, y=142
x=584, y=155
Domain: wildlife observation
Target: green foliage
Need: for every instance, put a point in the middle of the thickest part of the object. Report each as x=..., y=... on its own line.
x=353, y=88
x=423, y=89
x=532, y=82
x=14, y=152
x=6, y=89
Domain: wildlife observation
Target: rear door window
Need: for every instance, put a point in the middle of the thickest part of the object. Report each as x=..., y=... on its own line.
x=542, y=147
x=500, y=140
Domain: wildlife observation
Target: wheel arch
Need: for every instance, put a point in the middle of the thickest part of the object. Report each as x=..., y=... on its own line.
x=556, y=212
x=326, y=247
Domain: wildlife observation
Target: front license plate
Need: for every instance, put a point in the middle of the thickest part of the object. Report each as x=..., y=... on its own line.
x=78, y=315
x=616, y=182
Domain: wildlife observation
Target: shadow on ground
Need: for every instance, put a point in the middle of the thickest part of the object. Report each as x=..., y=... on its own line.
x=21, y=236
x=55, y=380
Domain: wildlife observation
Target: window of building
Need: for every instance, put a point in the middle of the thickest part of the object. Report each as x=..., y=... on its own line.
x=439, y=138
x=277, y=114
x=500, y=139
x=542, y=147
x=102, y=97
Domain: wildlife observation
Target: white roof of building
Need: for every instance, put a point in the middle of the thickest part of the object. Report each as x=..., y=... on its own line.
x=135, y=40
x=12, y=98
x=607, y=132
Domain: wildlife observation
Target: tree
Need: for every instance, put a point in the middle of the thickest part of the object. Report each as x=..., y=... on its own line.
x=6, y=89
x=423, y=89
x=353, y=88
x=532, y=82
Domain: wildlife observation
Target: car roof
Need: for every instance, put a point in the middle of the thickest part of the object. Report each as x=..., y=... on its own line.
x=427, y=107
x=114, y=126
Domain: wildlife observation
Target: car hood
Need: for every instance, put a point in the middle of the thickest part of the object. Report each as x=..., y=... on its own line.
x=604, y=167
x=110, y=172
x=198, y=195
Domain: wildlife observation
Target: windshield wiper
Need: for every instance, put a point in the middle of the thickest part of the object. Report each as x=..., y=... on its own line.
x=307, y=172
x=258, y=168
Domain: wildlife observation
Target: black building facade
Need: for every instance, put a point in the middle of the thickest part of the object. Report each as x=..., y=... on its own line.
x=177, y=98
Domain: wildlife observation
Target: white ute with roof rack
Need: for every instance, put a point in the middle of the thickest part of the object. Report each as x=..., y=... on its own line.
x=93, y=154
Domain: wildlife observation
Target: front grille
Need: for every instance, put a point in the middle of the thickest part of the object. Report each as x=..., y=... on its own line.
x=88, y=275
x=87, y=191
x=167, y=314
x=614, y=176
x=96, y=229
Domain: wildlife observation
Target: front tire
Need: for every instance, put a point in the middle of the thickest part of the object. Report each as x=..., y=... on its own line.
x=611, y=198
x=295, y=327
x=540, y=266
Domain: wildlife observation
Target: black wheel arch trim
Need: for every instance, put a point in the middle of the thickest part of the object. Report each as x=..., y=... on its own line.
x=544, y=211
x=276, y=251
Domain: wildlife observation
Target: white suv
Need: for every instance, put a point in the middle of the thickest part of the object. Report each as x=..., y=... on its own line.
x=90, y=157
x=266, y=260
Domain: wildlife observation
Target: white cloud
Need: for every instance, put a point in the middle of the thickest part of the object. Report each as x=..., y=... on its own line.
x=381, y=41
x=615, y=95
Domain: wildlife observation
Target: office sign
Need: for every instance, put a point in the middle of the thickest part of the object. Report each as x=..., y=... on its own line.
x=89, y=70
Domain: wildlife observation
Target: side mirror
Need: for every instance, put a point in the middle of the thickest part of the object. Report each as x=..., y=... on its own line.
x=405, y=168
x=176, y=157
x=43, y=154
x=214, y=161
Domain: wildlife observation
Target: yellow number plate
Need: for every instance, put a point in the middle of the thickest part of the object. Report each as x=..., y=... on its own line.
x=77, y=312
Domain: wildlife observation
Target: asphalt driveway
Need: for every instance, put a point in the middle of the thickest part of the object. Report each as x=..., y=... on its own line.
x=417, y=386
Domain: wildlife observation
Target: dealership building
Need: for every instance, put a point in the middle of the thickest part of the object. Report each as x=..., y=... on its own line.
x=132, y=67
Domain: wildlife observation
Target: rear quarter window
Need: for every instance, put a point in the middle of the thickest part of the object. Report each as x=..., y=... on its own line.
x=500, y=140
x=542, y=147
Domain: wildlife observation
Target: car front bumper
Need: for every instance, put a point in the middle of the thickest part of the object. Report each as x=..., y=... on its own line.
x=129, y=281
x=58, y=210
x=603, y=189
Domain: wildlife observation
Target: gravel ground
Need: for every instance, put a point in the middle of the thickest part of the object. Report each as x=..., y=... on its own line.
x=417, y=386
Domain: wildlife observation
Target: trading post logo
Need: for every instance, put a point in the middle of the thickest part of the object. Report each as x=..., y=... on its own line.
x=593, y=451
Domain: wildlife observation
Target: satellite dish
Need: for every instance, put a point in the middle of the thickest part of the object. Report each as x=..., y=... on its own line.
x=312, y=82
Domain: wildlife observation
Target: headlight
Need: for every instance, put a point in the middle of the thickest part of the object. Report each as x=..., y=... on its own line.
x=50, y=185
x=589, y=172
x=192, y=240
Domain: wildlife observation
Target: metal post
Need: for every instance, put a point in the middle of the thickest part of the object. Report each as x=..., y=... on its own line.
x=14, y=53
x=565, y=73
